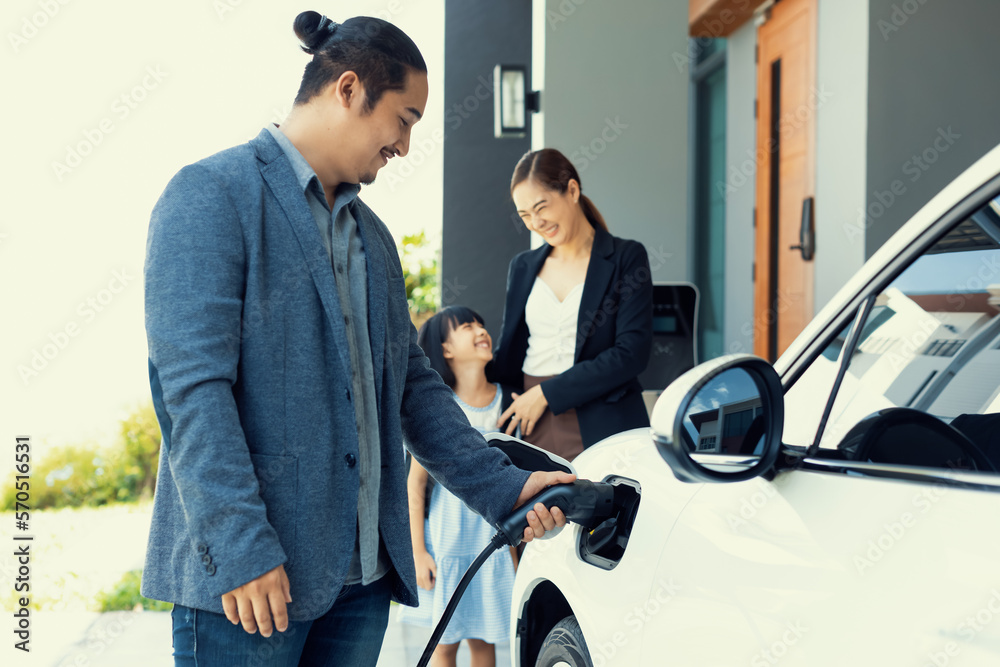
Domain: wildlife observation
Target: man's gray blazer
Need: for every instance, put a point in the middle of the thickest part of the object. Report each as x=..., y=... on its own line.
x=250, y=376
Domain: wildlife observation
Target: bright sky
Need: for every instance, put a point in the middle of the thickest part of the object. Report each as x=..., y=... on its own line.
x=106, y=100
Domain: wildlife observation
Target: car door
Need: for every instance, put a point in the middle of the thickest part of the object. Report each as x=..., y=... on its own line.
x=878, y=541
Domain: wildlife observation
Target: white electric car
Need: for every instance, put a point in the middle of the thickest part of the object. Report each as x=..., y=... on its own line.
x=839, y=508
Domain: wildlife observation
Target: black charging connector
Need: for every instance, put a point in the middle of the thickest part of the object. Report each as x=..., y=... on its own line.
x=583, y=502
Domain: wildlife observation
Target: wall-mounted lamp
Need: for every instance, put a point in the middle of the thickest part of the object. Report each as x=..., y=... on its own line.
x=512, y=101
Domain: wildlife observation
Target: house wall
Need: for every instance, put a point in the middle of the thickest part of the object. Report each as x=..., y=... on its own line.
x=841, y=113
x=479, y=236
x=741, y=91
x=838, y=108
x=932, y=103
x=616, y=103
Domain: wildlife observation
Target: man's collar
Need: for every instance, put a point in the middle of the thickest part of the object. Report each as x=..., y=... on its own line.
x=304, y=172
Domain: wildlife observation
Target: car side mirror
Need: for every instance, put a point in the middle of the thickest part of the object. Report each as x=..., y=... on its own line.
x=526, y=456
x=721, y=421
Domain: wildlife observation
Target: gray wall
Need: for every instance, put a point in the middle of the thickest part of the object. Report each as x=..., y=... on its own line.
x=616, y=103
x=841, y=115
x=741, y=82
x=479, y=237
x=933, y=102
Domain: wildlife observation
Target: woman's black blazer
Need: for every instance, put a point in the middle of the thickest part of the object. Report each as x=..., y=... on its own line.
x=613, y=341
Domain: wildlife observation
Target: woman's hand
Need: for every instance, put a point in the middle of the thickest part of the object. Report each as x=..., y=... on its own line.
x=426, y=570
x=525, y=411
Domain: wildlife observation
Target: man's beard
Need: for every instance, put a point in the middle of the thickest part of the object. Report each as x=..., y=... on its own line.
x=367, y=179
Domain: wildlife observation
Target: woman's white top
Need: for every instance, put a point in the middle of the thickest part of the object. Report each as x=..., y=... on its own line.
x=551, y=330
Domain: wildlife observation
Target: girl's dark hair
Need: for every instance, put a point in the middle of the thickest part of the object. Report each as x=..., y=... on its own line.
x=552, y=170
x=376, y=50
x=435, y=331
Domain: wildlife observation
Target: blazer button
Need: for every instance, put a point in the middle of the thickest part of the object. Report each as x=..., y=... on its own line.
x=206, y=560
x=202, y=548
x=210, y=569
x=351, y=460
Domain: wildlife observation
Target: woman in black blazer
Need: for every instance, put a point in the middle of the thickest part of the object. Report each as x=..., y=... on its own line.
x=578, y=367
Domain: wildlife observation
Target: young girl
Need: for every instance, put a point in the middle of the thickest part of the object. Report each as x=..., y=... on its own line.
x=445, y=544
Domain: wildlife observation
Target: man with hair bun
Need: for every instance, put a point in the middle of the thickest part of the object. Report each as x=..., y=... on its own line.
x=285, y=374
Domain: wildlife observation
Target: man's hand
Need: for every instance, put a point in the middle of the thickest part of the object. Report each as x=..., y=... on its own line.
x=258, y=602
x=525, y=411
x=540, y=518
x=426, y=570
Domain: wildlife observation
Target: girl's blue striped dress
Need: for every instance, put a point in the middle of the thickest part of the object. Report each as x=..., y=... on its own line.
x=455, y=535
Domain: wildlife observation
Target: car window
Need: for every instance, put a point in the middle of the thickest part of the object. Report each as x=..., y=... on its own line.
x=931, y=343
x=806, y=399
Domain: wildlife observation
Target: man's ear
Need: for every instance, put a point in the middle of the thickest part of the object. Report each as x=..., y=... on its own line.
x=348, y=90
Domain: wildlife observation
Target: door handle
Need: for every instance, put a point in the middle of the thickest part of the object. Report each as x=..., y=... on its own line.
x=807, y=235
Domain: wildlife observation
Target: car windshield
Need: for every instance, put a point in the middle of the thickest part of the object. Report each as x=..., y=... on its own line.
x=931, y=342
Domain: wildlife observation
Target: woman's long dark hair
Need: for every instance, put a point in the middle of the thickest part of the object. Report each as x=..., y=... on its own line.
x=376, y=50
x=435, y=331
x=552, y=170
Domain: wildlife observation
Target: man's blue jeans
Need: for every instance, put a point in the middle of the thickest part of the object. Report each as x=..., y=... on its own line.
x=350, y=633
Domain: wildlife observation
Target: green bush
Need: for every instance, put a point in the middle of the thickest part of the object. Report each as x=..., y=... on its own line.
x=140, y=452
x=86, y=475
x=420, y=273
x=69, y=477
x=125, y=596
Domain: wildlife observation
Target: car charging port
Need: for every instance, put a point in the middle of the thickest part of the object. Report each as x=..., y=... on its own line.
x=605, y=545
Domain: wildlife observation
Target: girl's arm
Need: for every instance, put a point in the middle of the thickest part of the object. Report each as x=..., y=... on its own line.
x=416, y=486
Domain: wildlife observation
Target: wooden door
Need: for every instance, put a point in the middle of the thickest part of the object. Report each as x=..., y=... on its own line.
x=786, y=117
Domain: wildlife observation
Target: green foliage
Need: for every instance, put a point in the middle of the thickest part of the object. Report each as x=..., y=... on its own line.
x=85, y=475
x=140, y=437
x=70, y=477
x=125, y=596
x=420, y=271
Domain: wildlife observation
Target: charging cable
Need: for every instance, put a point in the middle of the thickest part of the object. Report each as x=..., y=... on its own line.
x=583, y=502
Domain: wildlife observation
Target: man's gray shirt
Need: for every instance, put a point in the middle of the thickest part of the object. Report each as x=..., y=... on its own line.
x=339, y=232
